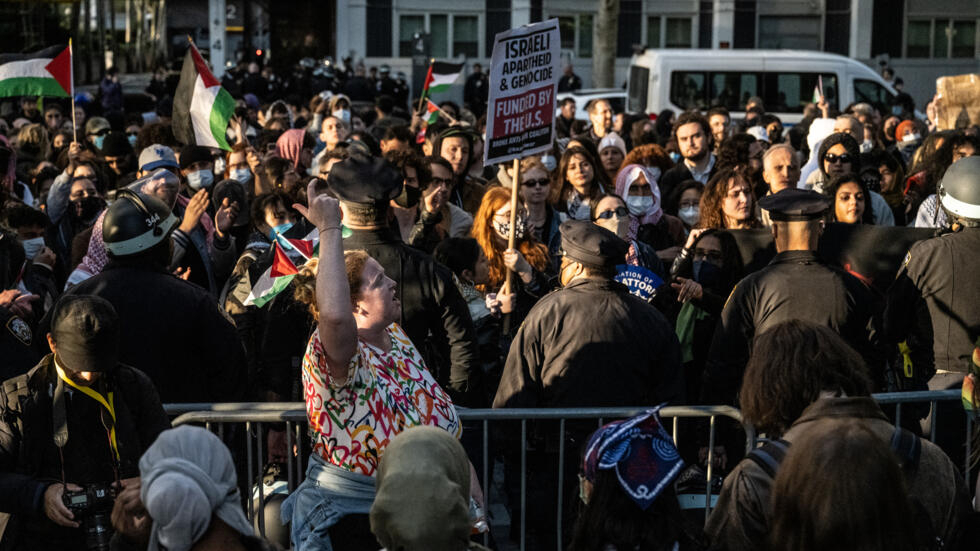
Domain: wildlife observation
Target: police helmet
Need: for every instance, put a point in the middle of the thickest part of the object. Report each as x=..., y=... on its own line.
x=135, y=223
x=959, y=190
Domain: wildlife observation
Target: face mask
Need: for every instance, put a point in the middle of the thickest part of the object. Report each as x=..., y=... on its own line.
x=896, y=110
x=32, y=247
x=409, y=197
x=200, y=179
x=88, y=208
x=549, y=162
x=690, y=215
x=675, y=157
x=279, y=230
x=706, y=273
x=503, y=229
x=866, y=146
x=131, y=140
x=242, y=175
x=639, y=206
x=99, y=140
x=219, y=165
x=342, y=114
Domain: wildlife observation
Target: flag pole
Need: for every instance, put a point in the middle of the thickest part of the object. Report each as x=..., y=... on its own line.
x=299, y=252
x=511, y=237
x=74, y=126
x=445, y=114
x=425, y=84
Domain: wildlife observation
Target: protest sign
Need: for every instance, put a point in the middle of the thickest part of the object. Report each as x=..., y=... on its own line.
x=524, y=72
x=639, y=280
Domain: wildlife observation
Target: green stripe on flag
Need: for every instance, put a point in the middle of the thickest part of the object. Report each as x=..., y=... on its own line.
x=31, y=86
x=278, y=286
x=221, y=112
x=439, y=88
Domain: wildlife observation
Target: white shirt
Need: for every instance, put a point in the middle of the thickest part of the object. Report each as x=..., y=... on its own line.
x=701, y=177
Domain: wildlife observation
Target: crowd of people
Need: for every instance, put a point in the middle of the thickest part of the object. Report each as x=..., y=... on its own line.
x=349, y=254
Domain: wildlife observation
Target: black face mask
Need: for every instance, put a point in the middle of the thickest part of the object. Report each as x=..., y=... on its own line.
x=409, y=197
x=86, y=209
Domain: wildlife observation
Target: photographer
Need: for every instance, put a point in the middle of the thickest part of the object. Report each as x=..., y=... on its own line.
x=72, y=431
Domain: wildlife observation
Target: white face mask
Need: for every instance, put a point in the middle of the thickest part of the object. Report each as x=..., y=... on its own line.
x=549, y=162
x=690, y=215
x=911, y=138
x=342, y=114
x=866, y=146
x=32, y=247
x=639, y=205
x=219, y=165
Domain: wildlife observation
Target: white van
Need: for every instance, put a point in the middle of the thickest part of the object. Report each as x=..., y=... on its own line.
x=784, y=79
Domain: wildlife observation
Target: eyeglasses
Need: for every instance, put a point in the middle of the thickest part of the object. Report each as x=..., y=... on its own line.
x=713, y=256
x=543, y=182
x=843, y=159
x=102, y=132
x=618, y=212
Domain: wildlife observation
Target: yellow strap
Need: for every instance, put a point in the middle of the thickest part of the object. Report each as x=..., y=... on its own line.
x=107, y=404
x=903, y=347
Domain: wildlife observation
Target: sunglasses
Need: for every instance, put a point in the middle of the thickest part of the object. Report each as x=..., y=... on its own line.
x=619, y=212
x=536, y=183
x=132, y=133
x=831, y=158
x=102, y=132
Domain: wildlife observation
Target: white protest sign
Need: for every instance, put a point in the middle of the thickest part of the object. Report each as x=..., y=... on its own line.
x=523, y=80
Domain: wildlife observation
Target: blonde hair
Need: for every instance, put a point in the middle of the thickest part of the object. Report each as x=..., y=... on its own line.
x=304, y=284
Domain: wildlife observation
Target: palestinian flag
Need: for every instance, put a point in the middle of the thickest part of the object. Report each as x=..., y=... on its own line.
x=818, y=90
x=202, y=108
x=432, y=113
x=282, y=269
x=45, y=73
x=440, y=77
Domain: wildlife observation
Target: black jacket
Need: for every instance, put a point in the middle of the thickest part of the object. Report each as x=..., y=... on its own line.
x=592, y=344
x=434, y=314
x=937, y=295
x=30, y=461
x=795, y=285
x=174, y=332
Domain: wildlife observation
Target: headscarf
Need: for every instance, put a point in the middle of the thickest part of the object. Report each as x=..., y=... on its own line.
x=290, y=145
x=851, y=147
x=627, y=175
x=10, y=172
x=640, y=451
x=95, y=259
x=188, y=475
x=422, y=501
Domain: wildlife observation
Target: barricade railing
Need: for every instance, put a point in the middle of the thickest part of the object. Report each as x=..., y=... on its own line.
x=257, y=418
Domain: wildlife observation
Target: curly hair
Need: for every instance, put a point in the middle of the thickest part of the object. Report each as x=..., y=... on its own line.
x=649, y=155
x=534, y=252
x=304, y=284
x=734, y=151
x=791, y=364
x=408, y=158
x=713, y=198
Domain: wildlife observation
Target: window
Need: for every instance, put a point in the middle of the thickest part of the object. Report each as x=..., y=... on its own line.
x=789, y=92
x=792, y=32
x=781, y=92
x=466, y=36
x=678, y=32
x=576, y=33
x=941, y=38
x=687, y=90
x=637, y=96
x=733, y=90
x=869, y=91
x=408, y=25
x=653, y=32
x=439, y=29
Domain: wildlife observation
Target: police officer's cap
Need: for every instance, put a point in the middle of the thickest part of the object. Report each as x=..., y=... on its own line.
x=135, y=223
x=85, y=329
x=959, y=190
x=589, y=244
x=795, y=205
x=364, y=180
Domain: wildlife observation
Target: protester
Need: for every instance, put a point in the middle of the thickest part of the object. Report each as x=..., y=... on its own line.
x=693, y=135
x=728, y=202
x=542, y=219
x=578, y=181
x=610, y=212
x=850, y=200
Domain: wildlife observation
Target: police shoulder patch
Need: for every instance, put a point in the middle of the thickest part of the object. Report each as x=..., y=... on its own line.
x=908, y=256
x=20, y=330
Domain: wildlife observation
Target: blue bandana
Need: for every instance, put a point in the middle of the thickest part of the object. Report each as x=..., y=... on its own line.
x=641, y=452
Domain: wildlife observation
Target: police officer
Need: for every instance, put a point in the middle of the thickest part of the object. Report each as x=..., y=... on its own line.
x=476, y=90
x=934, y=304
x=795, y=285
x=173, y=330
x=434, y=314
x=17, y=350
x=79, y=420
x=612, y=349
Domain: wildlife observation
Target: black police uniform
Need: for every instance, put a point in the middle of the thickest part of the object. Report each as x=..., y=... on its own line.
x=795, y=285
x=17, y=348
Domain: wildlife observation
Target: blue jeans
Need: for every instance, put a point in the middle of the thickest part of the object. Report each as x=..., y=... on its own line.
x=328, y=494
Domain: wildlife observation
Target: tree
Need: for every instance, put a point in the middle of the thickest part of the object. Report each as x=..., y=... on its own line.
x=604, y=44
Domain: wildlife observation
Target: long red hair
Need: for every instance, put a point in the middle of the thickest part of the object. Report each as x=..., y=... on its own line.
x=534, y=252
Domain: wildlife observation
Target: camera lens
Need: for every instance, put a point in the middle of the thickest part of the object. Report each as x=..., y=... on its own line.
x=98, y=531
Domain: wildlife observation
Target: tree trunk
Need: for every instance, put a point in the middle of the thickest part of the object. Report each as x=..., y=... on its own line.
x=604, y=44
x=100, y=29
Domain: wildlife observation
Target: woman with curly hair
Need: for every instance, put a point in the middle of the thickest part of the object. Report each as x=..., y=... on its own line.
x=529, y=260
x=649, y=155
x=728, y=202
x=579, y=180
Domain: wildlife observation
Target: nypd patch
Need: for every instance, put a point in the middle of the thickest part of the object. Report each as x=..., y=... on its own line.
x=20, y=330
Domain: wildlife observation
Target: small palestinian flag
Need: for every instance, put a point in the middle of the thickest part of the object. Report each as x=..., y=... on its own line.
x=45, y=73
x=281, y=271
x=432, y=112
x=440, y=77
x=818, y=90
x=202, y=108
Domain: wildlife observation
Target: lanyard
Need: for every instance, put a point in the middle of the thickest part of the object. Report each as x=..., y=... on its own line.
x=107, y=404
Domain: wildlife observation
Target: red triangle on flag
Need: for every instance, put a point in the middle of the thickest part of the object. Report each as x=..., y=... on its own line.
x=303, y=246
x=60, y=69
x=202, y=69
x=281, y=264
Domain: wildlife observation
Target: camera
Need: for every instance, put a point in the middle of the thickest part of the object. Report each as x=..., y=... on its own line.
x=92, y=506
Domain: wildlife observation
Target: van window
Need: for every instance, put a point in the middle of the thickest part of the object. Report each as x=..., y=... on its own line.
x=733, y=90
x=637, y=94
x=781, y=92
x=869, y=91
x=790, y=92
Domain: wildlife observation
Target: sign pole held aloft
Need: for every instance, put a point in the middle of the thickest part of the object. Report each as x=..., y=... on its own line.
x=514, y=195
